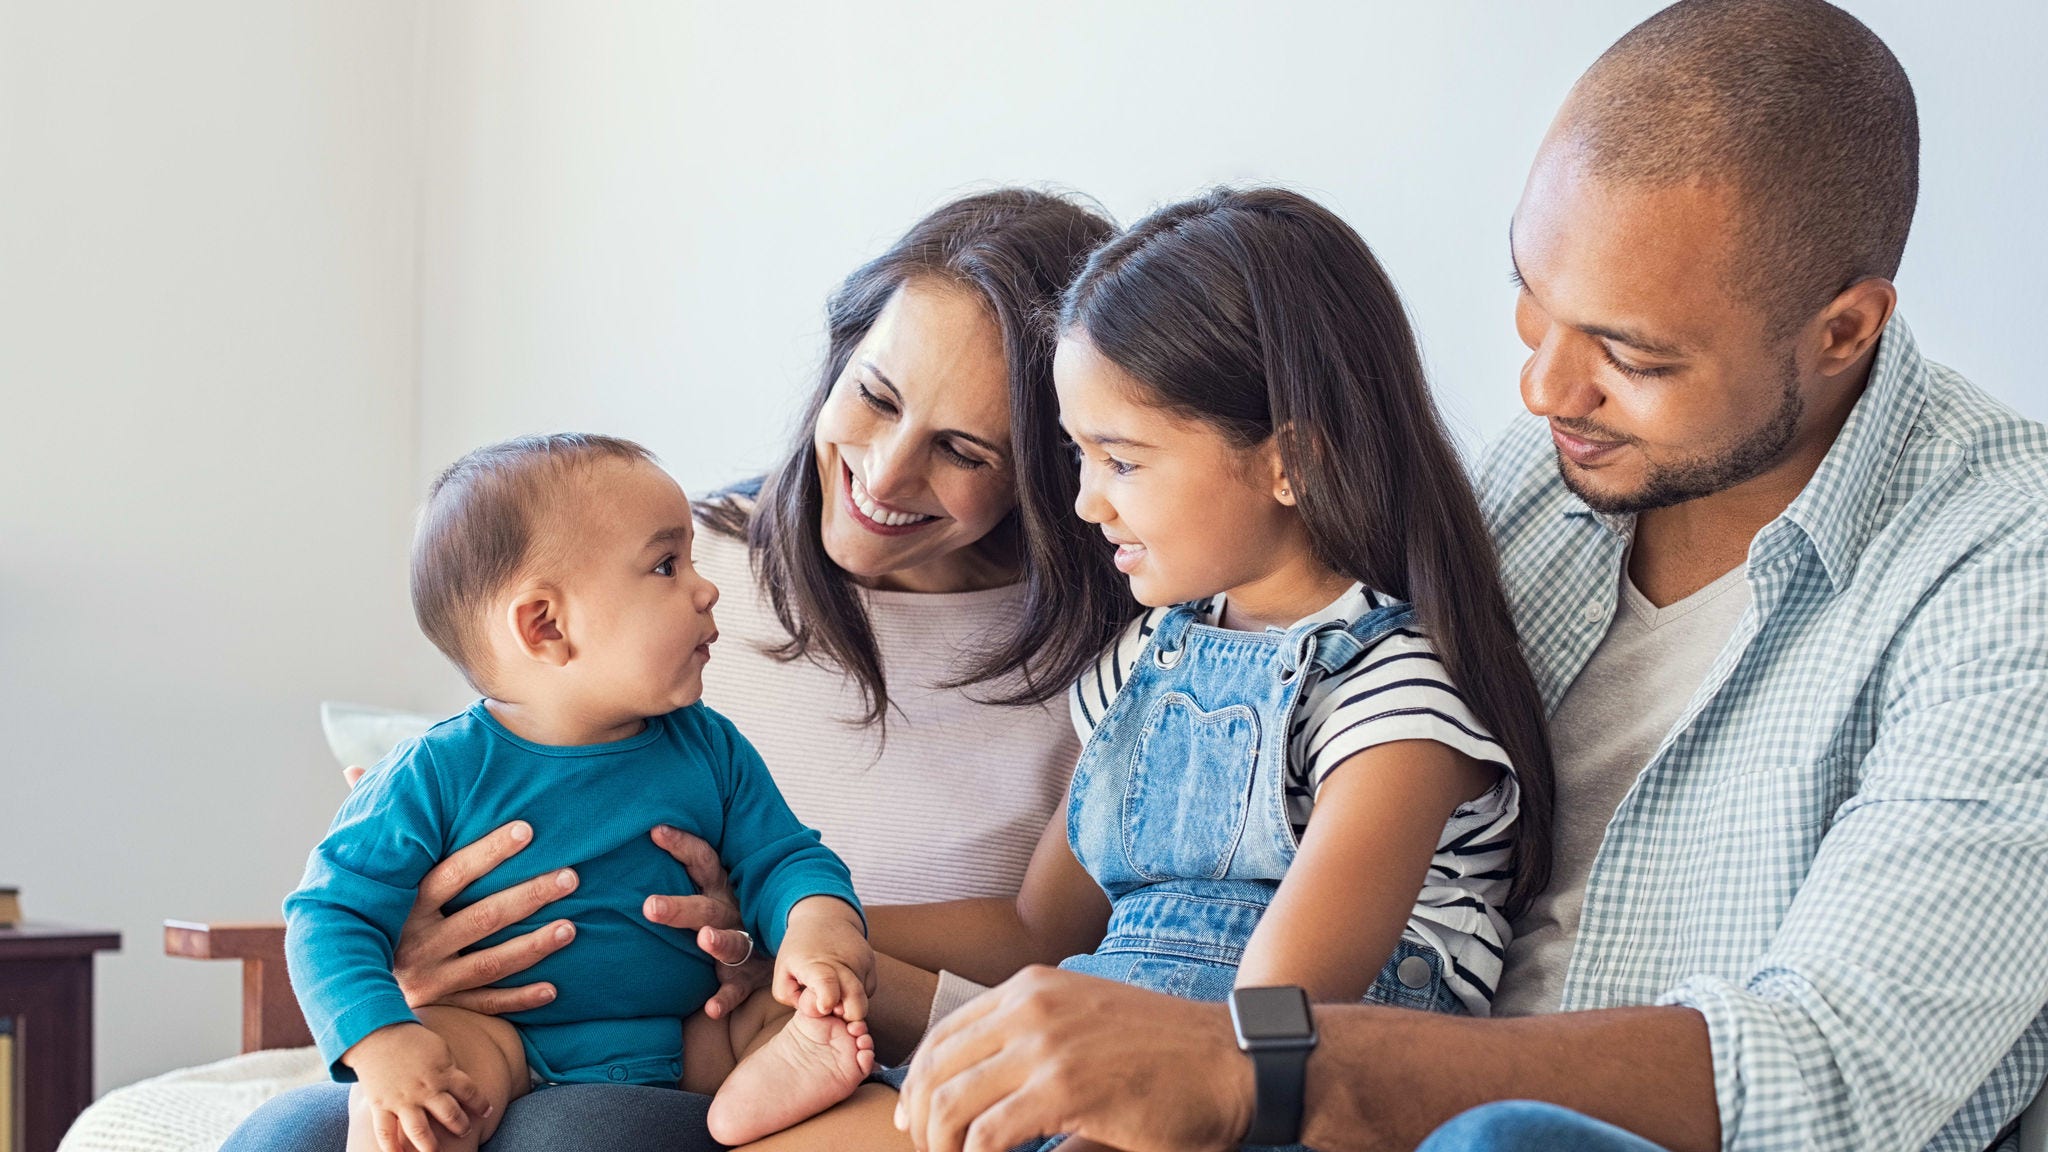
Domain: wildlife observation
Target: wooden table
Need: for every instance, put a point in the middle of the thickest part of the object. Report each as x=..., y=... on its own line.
x=46, y=988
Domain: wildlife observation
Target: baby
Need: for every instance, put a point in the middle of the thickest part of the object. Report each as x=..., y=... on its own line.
x=555, y=572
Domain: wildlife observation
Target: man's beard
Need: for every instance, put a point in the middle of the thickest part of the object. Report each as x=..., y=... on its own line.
x=1672, y=484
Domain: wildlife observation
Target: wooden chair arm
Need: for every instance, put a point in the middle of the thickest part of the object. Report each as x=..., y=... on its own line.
x=270, y=1013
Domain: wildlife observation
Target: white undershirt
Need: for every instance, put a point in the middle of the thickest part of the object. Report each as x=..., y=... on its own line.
x=1609, y=724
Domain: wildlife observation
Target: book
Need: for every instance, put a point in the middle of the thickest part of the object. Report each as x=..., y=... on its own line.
x=10, y=915
x=6, y=1084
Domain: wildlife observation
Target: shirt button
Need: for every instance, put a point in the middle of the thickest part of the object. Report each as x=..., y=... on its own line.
x=1593, y=612
x=618, y=1072
x=1414, y=973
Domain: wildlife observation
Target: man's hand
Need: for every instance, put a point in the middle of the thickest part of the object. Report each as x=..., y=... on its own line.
x=1050, y=1052
x=406, y=1080
x=715, y=915
x=825, y=967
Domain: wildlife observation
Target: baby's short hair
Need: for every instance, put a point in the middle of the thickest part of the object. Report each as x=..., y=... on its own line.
x=477, y=532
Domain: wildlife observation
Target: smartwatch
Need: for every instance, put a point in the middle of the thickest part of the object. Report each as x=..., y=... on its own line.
x=1274, y=1029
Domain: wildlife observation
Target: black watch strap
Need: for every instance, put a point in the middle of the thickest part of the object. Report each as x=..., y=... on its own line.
x=1279, y=1074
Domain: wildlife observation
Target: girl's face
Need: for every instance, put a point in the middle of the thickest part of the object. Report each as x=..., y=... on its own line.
x=913, y=446
x=1190, y=513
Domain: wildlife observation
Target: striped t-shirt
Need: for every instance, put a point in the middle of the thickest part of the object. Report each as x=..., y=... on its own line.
x=1395, y=690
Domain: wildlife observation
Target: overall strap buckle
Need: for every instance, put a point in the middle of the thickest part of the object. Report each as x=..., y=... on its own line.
x=1168, y=639
x=1333, y=644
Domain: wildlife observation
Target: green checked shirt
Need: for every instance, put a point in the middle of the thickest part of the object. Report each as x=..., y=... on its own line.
x=1839, y=854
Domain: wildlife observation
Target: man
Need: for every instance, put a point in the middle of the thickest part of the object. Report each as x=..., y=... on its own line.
x=1784, y=584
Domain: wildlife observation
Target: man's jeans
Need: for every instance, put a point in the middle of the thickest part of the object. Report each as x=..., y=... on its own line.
x=1527, y=1126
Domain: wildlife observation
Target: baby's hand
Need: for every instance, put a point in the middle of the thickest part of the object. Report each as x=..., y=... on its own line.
x=825, y=967
x=405, y=1077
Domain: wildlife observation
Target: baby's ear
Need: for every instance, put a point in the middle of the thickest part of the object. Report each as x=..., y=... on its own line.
x=536, y=615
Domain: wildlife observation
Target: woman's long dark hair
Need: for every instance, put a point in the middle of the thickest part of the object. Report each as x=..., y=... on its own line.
x=1262, y=314
x=1017, y=249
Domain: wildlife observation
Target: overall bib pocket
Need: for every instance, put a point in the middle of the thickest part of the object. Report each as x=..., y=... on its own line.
x=1189, y=789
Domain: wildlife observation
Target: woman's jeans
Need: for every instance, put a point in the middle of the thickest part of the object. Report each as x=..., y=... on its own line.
x=1527, y=1126
x=559, y=1118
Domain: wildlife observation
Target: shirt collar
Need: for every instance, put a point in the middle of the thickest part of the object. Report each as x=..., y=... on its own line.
x=1834, y=510
x=1352, y=603
x=1837, y=507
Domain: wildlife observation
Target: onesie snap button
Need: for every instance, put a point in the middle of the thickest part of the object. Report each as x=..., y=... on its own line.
x=618, y=1072
x=1414, y=973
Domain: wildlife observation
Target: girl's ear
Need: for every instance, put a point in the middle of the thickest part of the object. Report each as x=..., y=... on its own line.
x=536, y=615
x=1273, y=467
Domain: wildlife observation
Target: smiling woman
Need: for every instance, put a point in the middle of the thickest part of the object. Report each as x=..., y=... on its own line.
x=929, y=460
x=913, y=445
x=913, y=572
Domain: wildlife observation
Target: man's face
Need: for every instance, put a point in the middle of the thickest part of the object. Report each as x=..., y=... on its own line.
x=1660, y=385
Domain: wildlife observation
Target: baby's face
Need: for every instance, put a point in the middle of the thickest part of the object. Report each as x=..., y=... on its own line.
x=639, y=613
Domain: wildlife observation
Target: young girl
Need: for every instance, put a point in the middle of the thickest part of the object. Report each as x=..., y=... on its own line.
x=1319, y=758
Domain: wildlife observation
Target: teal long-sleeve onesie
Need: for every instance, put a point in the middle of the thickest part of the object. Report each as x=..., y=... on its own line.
x=624, y=985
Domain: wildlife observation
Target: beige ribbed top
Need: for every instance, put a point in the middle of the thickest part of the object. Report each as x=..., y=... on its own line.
x=953, y=804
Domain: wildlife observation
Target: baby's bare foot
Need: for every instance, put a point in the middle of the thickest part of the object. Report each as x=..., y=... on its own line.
x=812, y=1064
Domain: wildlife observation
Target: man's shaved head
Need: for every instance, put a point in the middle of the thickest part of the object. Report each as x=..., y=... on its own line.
x=1796, y=105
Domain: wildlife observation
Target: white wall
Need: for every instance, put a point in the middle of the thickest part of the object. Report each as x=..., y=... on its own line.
x=634, y=211
x=208, y=330
x=264, y=267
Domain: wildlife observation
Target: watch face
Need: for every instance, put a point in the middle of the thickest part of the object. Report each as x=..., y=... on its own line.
x=1270, y=1015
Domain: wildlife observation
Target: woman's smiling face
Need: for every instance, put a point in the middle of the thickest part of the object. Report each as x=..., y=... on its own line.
x=913, y=447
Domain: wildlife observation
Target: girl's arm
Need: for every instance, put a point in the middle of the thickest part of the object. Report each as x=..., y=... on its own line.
x=1342, y=906
x=1059, y=912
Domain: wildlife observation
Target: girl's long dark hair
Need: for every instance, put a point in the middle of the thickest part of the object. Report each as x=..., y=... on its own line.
x=1262, y=314
x=1017, y=249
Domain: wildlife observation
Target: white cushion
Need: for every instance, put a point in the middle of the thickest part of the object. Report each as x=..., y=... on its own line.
x=361, y=734
x=191, y=1109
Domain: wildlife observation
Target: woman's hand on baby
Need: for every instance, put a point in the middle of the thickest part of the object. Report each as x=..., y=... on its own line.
x=714, y=914
x=825, y=967
x=429, y=963
x=406, y=1081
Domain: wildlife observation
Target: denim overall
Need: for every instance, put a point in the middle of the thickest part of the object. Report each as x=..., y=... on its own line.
x=1179, y=804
